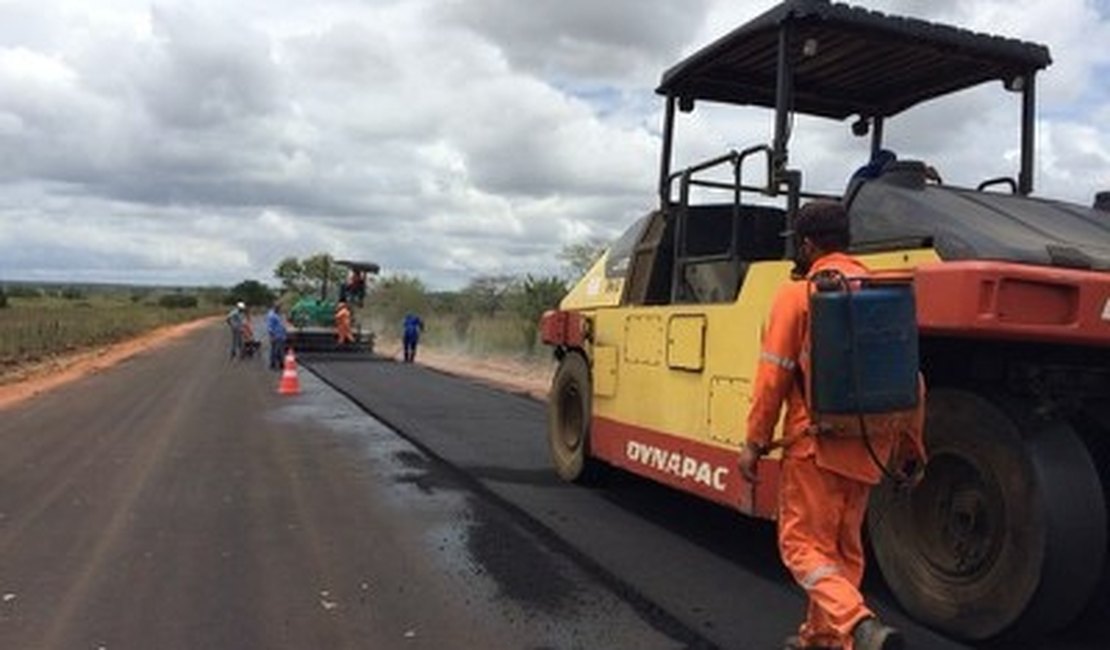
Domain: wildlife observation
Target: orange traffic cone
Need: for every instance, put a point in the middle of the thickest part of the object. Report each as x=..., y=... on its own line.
x=290, y=384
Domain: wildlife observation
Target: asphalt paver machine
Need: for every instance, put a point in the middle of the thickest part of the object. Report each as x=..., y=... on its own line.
x=313, y=318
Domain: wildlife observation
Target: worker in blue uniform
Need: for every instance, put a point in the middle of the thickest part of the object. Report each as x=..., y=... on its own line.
x=413, y=327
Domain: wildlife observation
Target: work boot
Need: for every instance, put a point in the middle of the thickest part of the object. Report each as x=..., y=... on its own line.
x=870, y=634
x=795, y=643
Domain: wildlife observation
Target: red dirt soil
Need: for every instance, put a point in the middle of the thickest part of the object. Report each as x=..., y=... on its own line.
x=528, y=377
x=29, y=380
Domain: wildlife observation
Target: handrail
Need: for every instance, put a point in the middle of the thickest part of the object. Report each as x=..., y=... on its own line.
x=721, y=185
x=731, y=156
x=686, y=176
x=737, y=159
x=1001, y=180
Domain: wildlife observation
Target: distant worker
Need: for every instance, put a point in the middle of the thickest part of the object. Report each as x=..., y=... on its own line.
x=354, y=289
x=235, y=319
x=250, y=344
x=413, y=327
x=343, y=324
x=275, y=329
x=825, y=480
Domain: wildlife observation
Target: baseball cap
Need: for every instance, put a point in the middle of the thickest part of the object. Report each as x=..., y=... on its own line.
x=240, y=305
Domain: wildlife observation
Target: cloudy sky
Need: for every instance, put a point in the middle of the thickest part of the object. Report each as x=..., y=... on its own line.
x=201, y=142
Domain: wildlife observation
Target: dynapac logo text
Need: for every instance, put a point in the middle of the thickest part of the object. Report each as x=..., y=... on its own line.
x=677, y=464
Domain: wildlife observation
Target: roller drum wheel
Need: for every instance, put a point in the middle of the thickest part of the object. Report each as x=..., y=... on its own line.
x=1006, y=533
x=1094, y=426
x=568, y=421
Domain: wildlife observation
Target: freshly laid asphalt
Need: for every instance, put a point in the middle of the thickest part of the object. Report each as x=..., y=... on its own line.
x=711, y=571
x=702, y=566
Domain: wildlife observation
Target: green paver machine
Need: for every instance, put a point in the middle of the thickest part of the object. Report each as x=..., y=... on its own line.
x=313, y=318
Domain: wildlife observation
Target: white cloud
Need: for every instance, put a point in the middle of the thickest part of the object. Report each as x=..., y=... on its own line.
x=618, y=42
x=205, y=141
x=1074, y=155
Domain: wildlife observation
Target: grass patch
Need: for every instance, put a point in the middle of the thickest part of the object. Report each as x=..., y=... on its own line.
x=36, y=327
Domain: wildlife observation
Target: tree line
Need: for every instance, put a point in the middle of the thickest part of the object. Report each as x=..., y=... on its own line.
x=493, y=311
x=167, y=297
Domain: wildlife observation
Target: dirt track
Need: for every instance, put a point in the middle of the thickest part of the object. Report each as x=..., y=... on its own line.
x=32, y=379
x=527, y=377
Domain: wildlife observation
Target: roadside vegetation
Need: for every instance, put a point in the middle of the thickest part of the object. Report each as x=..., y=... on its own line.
x=41, y=321
x=490, y=316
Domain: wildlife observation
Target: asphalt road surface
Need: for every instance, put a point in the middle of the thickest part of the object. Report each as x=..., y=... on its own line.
x=711, y=570
x=177, y=501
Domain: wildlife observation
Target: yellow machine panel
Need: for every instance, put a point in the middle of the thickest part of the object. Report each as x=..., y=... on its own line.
x=605, y=370
x=595, y=289
x=687, y=369
x=729, y=398
x=674, y=356
x=899, y=260
x=686, y=342
x=643, y=339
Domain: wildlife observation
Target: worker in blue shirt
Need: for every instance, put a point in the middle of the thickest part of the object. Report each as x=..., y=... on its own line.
x=275, y=328
x=412, y=329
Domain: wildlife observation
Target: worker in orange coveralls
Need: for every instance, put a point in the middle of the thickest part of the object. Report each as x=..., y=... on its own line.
x=825, y=479
x=343, y=323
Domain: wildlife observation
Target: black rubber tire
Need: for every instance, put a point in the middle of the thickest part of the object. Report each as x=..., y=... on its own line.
x=1094, y=425
x=1007, y=531
x=568, y=421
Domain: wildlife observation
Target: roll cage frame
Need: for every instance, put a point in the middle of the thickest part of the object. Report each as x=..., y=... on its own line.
x=832, y=60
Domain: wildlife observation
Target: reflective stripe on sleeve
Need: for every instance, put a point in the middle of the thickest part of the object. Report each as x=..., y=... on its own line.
x=782, y=362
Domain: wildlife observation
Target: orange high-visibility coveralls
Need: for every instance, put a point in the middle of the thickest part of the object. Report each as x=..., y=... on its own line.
x=343, y=324
x=825, y=480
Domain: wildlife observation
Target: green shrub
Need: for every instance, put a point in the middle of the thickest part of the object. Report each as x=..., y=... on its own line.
x=252, y=292
x=72, y=293
x=178, y=301
x=35, y=329
x=19, y=291
x=3, y=298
